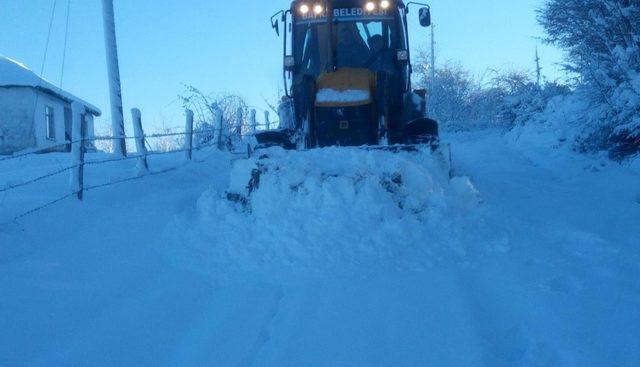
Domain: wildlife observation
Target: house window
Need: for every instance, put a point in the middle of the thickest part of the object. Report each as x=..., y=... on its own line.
x=50, y=122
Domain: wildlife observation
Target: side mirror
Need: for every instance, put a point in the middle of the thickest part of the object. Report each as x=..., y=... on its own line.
x=276, y=26
x=425, y=17
x=289, y=63
x=422, y=93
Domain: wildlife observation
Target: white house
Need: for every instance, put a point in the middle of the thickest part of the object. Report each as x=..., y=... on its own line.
x=35, y=114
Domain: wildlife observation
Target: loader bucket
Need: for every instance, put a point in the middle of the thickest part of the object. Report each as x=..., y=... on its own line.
x=272, y=138
x=422, y=131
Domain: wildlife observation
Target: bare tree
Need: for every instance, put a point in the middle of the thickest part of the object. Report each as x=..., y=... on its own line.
x=204, y=106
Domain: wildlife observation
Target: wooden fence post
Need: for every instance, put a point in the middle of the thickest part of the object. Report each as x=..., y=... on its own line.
x=253, y=122
x=267, y=123
x=143, y=164
x=219, y=128
x=76, y=181
x=188, y=135
x=239, y=122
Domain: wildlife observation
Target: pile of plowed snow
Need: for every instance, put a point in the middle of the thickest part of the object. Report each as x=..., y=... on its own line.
x=331, y=209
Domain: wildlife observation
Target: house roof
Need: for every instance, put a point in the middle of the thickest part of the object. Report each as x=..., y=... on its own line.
x=16, y=74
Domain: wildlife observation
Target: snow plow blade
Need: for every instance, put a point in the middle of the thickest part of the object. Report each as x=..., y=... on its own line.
x=442, y=152
x=423, y=140
x=388, y=169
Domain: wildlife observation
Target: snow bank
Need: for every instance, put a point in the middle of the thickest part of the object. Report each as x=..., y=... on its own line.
x=329, y=210
x=327, y=95
x=560, y=124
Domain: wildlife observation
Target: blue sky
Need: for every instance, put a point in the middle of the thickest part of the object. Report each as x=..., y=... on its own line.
x=221, y=46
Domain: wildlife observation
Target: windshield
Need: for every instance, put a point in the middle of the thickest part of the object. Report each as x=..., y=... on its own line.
x=359, y=44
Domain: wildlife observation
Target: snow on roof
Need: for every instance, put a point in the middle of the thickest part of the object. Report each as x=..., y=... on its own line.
x=16, y=74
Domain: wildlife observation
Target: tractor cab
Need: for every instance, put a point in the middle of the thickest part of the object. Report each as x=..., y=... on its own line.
x=347, y=74
x=355, y=38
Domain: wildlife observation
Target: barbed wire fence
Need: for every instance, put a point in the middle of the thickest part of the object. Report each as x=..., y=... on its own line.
x=224, y=136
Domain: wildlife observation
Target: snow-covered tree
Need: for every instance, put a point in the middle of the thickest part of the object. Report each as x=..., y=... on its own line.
x=205, y=105
x=602, y=40
x=449, y=99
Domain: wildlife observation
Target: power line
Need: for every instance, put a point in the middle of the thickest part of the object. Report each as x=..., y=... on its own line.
x=44, y=60
x=66, y=38
x=46, y=47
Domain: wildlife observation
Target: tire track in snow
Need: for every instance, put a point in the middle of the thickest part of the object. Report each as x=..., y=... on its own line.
x=264, y=334
x=546, y=301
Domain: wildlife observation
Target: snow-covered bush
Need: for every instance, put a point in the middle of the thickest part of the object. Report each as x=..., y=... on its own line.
x=460, y=102
x=506, y=99
x=167, y=143
x=602, y=40
x=557, y=123
x=522, y=100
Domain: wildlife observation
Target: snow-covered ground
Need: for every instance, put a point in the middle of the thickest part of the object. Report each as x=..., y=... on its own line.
x=341, y=258
x=635, y=164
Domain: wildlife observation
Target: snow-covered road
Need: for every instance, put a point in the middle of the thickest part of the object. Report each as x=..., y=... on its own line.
x=563, y=285
x=545, y=272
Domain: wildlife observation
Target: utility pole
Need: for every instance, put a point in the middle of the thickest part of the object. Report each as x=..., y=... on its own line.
x=115, y=88
x=538, y=68
x=433, y=57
